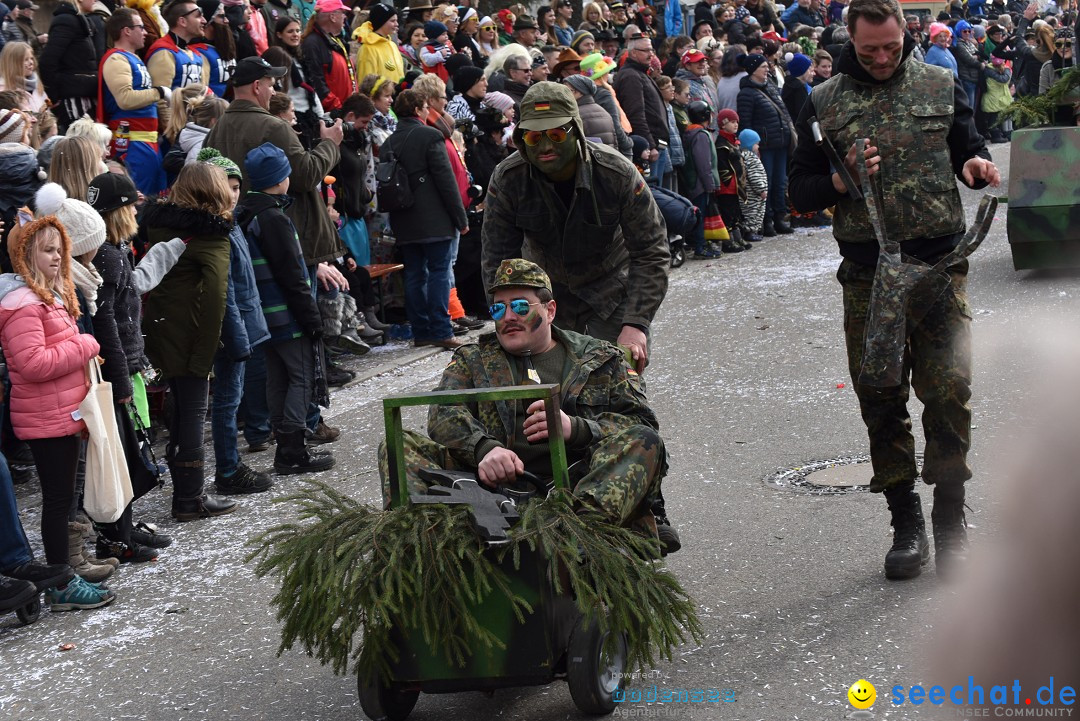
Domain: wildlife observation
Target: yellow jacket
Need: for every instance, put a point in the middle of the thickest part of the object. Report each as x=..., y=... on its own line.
x=378, y=55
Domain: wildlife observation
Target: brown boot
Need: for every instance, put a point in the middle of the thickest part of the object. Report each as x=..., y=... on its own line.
x=90, y=535
x=77, y=559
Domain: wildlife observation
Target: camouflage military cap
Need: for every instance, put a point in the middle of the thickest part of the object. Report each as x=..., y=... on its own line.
x=547, y=105
x=519, y=273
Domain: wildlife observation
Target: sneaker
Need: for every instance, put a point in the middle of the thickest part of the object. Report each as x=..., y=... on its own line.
x=305, y=462
x=147, y=534
x=243, y=480
x=730, y=246
x=323, y=434
x=78, y=595
x=41, y=575
x=124, y=552
x=706, y=254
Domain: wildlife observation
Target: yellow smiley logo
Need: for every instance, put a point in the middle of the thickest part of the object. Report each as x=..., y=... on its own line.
x=862, y=694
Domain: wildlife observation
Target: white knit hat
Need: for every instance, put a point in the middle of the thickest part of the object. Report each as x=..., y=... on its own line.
x=82, y=223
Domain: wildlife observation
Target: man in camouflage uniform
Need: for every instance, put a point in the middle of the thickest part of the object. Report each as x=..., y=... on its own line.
x=920, y=133
x=583, y=212
x=606, y=420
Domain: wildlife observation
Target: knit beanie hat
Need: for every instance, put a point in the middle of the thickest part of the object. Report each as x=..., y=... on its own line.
x=12, y=123
x=466, y=77
x=499, y=101
x=749, y=138
x=726, y=114
x=266, y=166
x=798, y=65
x=214, y=157
x=580, y=35
x=580, y=83
x=83, y=224
x=751, y=62
x=433, y=29
x=45, y=152
x=379, y=15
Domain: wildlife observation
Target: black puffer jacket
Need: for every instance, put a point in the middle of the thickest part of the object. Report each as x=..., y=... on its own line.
x=116, y=323
x=69, y=62
x=761, y=109
x=641, y=102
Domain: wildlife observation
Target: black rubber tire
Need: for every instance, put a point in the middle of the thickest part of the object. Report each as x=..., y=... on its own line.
x=383, y=704
x=678, y=256
x=29, y=613
x=593, y=679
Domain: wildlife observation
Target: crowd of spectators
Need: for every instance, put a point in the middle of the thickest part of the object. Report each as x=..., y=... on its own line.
x=216, y=172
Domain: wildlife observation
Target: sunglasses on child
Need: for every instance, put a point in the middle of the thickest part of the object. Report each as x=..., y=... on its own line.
x=555, y=135
x=1062, y=44
x=519, y=306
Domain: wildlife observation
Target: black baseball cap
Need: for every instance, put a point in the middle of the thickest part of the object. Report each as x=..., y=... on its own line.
x=253, y=68
x=110, y=191
x=25, y=5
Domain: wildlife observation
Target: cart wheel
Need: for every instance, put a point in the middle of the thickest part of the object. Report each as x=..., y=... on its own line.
x=383, y=704
x=30, y=612
x=678, y=255
x=594, y=675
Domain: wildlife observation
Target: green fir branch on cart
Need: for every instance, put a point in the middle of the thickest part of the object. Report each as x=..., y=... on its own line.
x=354, y=578
x=612, y=577
x=1038, y=110
x=357, y=573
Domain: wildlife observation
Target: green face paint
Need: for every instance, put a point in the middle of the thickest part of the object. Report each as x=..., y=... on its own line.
x=558, y=161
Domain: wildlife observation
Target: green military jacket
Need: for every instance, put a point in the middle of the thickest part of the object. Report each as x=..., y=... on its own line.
x=909, y=118
x=600, y=388
x=610, y=245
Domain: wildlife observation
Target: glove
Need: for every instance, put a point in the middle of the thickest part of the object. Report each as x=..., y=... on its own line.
x=166, y=93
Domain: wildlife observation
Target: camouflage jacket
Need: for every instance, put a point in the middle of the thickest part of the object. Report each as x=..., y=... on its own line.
x=609, y=246
x=601, y=389
x=908, y=117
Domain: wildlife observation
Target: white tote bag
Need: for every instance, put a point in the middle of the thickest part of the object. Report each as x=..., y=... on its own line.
x=108, y=485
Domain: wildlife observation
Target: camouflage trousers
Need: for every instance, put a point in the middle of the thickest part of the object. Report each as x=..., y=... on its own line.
x=937, y=365
x=622, y=477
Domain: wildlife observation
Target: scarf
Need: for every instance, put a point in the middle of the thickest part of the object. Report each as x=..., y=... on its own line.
x=87, y=280
x=31, y=84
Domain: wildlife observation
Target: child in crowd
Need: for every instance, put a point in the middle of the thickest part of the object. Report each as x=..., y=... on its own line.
x=117, y=327
x=281, y=106
x=47, y=358
x=292, y=314
x=381, y=92
x=434, y=54
x=757, y=185
x=675, y=148
x=699, y=179
x=183, y=321
x=822, y=67
x=996, y=99
x=680, y=99
x=243, y=328
x=75, y=162
x=732, y=175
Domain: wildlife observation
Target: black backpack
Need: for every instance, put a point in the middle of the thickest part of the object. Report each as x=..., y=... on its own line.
x=392, y=188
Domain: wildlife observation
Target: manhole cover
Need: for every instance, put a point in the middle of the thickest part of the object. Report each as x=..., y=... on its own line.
x=833, y=477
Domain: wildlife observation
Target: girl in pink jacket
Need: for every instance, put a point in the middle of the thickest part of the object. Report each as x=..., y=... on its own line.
x=46, y=358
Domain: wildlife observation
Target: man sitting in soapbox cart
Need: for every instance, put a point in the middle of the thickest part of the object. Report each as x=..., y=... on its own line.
x=616, y=456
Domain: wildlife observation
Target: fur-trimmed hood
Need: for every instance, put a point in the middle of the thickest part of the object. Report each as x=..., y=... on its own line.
x=18, y=240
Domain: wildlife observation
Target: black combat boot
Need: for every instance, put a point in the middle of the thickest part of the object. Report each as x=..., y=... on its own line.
x=950, y=529
x=910, y=549
x=782, y=226
x=669, y=537
x=293, y=456
x=767, y=228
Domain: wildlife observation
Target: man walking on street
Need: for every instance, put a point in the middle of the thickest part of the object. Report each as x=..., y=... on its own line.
x=913, y=160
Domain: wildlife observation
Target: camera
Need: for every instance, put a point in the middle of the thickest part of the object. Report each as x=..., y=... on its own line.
x=329, y=120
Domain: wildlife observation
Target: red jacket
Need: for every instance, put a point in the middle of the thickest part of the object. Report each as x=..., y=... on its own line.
x=46, y=357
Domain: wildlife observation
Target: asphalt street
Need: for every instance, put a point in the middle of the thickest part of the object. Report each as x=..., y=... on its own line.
x=749, y=377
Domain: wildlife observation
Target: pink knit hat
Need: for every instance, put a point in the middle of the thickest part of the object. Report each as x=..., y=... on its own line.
x=936, y=28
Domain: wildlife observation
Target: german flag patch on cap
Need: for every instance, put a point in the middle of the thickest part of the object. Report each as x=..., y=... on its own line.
x=541, y=106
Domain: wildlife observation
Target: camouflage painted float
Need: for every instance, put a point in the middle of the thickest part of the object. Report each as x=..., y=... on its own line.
x=1044, y=198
